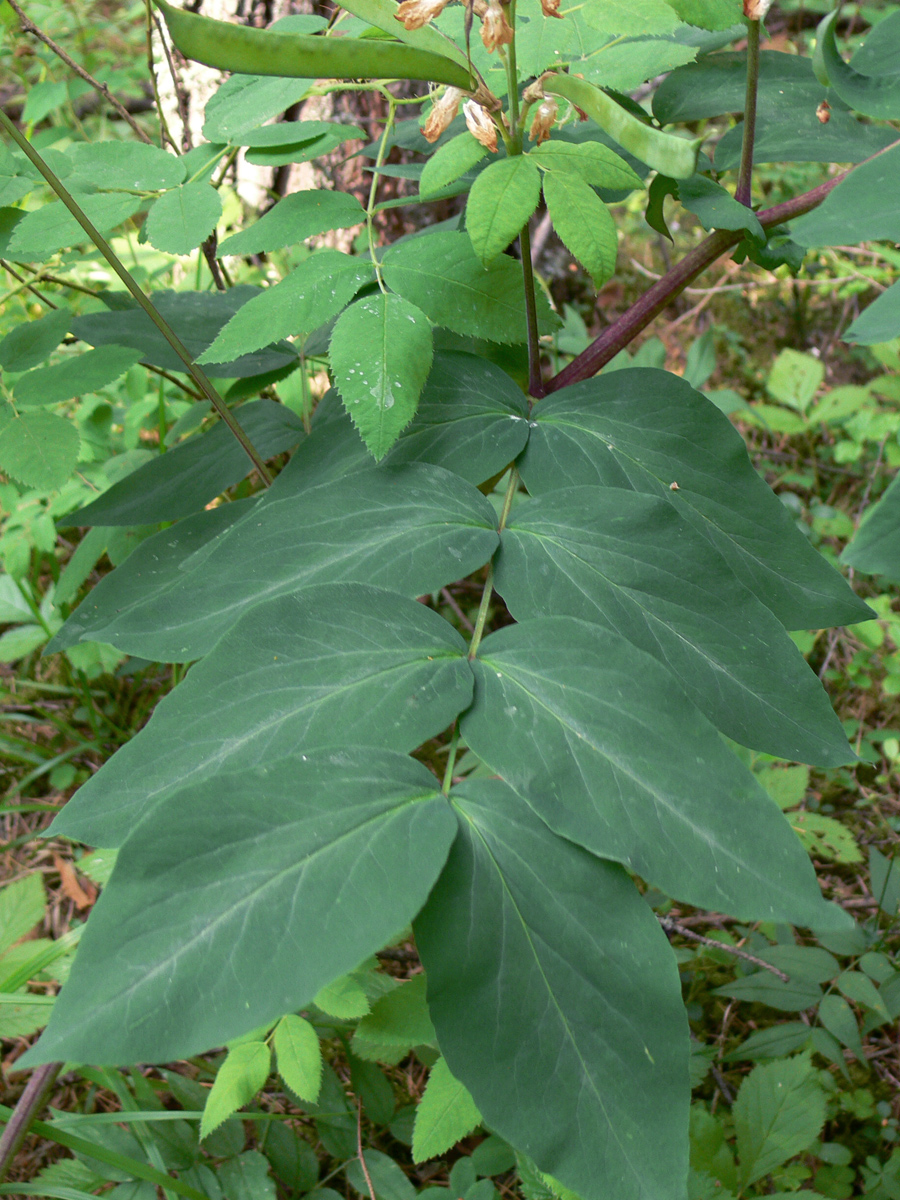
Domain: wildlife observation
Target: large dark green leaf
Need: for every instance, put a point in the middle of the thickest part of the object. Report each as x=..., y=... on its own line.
x=718, y=84
x=873, y=95
x=649, y=430
x=241, y=897
x=556, y=1001
x=341, y=664
x=632, y=563
x=880, y=322
x=604, y=745
x=184, y=479
x=861, y=208
x=412, y=528
x=196, y=316
x=876, y=547
x=798, y=135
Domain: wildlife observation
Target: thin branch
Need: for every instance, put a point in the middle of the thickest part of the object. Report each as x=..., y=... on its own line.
x=28, y=26
x=30, y=1103
x=359, y=1149
x=672, y=926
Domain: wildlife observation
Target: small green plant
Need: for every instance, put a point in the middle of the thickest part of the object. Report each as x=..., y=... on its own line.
x=340, y=761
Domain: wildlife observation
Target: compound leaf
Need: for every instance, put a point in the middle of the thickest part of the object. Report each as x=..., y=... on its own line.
x=778, y=1112
x=183, y=218
x=238, y=1079
x=583, y=222
x=40, y=449
x=297, y=217
x=299, y=1056
x=501, y=200
x=444, y=1116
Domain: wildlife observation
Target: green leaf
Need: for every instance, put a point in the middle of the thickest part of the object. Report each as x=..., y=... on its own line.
x=388, y=1179
x=631, y=563
x=876, y=547
x=30, y=343
x=346, y=663
x=630, y=16
x=297, y=217
x=17, y=643
x=645, y=429
x=130, y=165
x=345, y=999
x=242, y=1074
x=624, y=65
x=440, y=274
x=501, y=200
x=708, y=14
x=40, y=449
x=305, y=847
x=797, y=135
x=794, y=379
x=74, y=376
x=21, y=908
x=715, y=208
x=198, y=317
x=775, y=1042
x=825, y=838
x=245, y=1177
x=858, y=209
x=764, y=988
x=836, y=1015
x=583, y=222
x=451, y=161
x=184, y=479
x=880, y=322
x=414, y=528
x=306, y=298
x=717, y=84
x=593, y=162
x=183, y=218
x=564, y=711
x=244, y=102
x=778, y=1113
x=380, y=354
x=299, y=1056
x=45, y=230
x=399, y=1019
x=444, y=1116
x=524, y=972
x=873, y=95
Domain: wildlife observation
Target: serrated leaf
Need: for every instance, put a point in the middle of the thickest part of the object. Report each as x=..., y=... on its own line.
x=444, y=1116
x=388, y=1178
x=562, y=711
x=632, y=564
x=305, y=299
x=244, y=102
x=400, y=1018
x=21, y=907
x=825, y=838
x=345, y=999
x=297, y=217
x=132, y=165
x=45, y=230
x=17, y=643
x=836, y=1015
x=708, y=14
x=299, y=1056
x=238, y=1079
x=451, y=161
x=31, y=342
x=583, y=223
x=761, y=987
x=336, y=663
x=523, y=972
x=645, y=429
x=414, y=528
x=593, y=162
x=380, y=354
x=778, y=1113
x=40, y=449
x=501, y=200
x=630, y=16
x=305, y=847
x=439, y=273
x=75, y=376
x=183, y=217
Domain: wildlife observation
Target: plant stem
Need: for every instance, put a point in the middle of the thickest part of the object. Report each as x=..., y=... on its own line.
x=535, y=382
x=745, y=174
x=636, y=318
x=197, y=374
x=373, y=190
x=451, y=760
x=484, y=607
x=30, y=1103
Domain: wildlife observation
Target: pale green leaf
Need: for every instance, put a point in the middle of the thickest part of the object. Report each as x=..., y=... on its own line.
x=593, y=162
x=400, y=1018
x=299, y=1056
x=344, y=998
x=450, y=161
x=444, y=1116
x=31, y=342
x=21, y=907
x=630, y=16
x=238, y=1079
x=380, y=350
x=40, y=449
x=709, y=14
x=825, y=838
x=130, y=165
x=794, y=379
x=778, y=1113
x=297, y=217
x=76, y=375
x=501, y=201
x=17, y=643
x=183, y=218
x=305, y=299
x=44, y=231
x=583, y=223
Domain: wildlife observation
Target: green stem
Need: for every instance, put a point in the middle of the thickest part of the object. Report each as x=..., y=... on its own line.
x=451, y=760
x=745, y=174
x=373, y=190
x=197, y=374
x=484, y=607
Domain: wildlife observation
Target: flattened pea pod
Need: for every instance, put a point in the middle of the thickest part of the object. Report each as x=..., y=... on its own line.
x=675, y=157
x=230, y=47
x=872, y=95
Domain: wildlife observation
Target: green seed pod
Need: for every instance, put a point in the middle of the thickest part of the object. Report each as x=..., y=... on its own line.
x=230, y=47
x=672, y=156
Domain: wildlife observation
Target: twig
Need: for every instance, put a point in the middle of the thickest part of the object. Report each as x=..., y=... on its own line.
x=359, y=1149
x=461, y=616
x=32, y=1100
x=28, y=26
x=671, y=926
